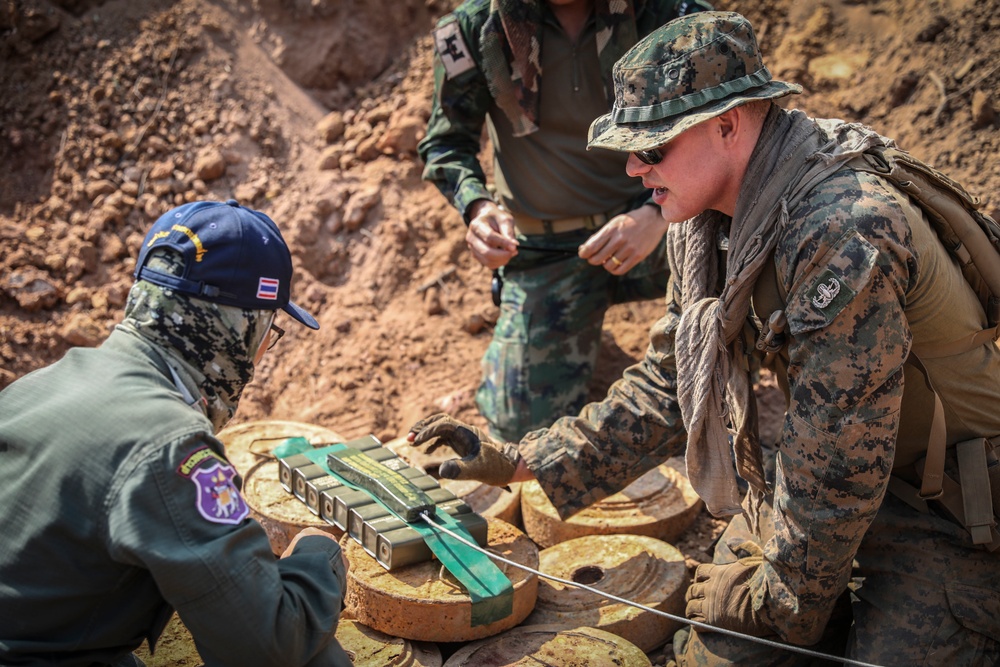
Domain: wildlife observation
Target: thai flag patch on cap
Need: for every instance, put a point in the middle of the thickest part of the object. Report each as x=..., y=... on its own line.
x=267, y=288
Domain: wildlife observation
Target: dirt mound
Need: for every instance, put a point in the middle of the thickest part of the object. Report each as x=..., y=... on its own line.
x=113, y=112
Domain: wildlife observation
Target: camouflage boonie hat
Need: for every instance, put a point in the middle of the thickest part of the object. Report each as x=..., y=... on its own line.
x=691, y=69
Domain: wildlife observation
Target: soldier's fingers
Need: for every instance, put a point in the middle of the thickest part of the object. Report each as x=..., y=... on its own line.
x=703, y=573
x=451, y=469
x=618, y=265
x=595, y=250
x=492, y=235
x=695, y=610
x=419, y=431
x=507, y=227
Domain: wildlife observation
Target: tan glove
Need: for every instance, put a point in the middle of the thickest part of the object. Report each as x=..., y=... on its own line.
x=720, y=594
x=483, y=458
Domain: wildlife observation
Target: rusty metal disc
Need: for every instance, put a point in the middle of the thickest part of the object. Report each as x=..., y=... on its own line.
x=280, y=513
x=370, y=648
x=424, y=602
x=251, y=442
x=660, y=504
x=534, y=645
x=635, y=567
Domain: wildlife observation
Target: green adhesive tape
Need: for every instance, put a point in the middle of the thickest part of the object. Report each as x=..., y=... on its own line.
x=489, y=589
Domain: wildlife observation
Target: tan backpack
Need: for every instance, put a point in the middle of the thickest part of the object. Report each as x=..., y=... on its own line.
x=973, y=239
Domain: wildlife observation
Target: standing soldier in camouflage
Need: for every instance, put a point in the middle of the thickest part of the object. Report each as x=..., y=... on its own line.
x=794, y=252
x=567, y=232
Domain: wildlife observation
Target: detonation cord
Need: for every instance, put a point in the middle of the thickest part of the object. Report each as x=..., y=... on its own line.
x=681, y=619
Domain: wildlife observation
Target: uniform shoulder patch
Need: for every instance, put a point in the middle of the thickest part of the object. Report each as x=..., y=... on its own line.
x=832, y=283
x=452, y=49
x=195, y=459
x=217, y=500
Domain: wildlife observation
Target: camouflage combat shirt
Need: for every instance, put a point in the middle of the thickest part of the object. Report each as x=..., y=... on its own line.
x=865, y=276
x=548, y=174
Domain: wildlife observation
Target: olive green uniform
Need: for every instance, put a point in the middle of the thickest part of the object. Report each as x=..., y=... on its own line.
x=120, y=508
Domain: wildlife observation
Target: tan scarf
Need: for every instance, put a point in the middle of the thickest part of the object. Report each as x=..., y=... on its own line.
x=793, y=154
x=511, y=41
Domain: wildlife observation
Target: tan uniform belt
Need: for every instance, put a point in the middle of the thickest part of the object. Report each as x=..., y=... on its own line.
x=533, y=226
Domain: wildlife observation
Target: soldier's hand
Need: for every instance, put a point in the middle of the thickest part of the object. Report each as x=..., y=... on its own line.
x=490, y=236
x=720, y=594
x=625, y=241
x=482, y=458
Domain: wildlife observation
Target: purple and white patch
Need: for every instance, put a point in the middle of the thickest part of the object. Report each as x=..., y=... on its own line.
x=218, y=499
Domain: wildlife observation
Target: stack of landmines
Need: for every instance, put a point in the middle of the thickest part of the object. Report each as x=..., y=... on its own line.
x=389, y=539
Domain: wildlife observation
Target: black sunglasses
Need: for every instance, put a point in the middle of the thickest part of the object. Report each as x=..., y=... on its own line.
x=650, y=157
x=279, y=332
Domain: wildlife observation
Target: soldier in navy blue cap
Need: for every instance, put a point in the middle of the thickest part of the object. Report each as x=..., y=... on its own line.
x=121, y=505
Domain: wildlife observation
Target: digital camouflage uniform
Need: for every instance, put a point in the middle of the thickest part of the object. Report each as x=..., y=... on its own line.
x=547, y=338
x=864, y=278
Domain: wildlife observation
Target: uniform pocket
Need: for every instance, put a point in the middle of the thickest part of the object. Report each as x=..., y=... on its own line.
x=975, y=609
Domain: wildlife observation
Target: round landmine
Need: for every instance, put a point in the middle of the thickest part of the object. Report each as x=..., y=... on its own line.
x=370, y=648
x=533, y=645
x=424, y=602
x=660, y=504
x=280, y=513
x=634, y=567
x=247, y=444
x=488, y=500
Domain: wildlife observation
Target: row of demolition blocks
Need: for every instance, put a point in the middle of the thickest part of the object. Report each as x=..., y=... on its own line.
x=391, y=540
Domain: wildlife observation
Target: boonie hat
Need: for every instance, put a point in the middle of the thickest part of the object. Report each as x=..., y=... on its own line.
x=233, y=255
x=689, y=70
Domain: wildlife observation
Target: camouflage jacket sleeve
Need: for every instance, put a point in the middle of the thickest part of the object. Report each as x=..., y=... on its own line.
x=847, y=264
x=581, y=460
x=458, y=110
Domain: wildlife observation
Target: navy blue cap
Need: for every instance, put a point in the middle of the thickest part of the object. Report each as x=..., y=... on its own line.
x=233, y=255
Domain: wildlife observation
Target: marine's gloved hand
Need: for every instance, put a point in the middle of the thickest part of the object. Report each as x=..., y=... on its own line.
x=483, y=458
x=720, y=594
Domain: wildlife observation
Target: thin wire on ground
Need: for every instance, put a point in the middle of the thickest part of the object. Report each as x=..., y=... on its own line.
x=681, y=619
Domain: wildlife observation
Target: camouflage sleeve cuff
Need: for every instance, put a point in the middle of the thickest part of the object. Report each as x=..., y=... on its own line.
x=469, y=191
x=557, y=474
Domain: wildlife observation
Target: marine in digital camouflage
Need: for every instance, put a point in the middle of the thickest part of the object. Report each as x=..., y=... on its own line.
x=864, y=277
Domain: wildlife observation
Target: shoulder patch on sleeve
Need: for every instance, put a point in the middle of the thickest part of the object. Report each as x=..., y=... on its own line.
x=217, y=500
x=452, y=49
x=195, y=459
x=831, y=283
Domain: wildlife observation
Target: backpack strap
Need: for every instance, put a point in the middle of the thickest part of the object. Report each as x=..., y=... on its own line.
x=932, y=472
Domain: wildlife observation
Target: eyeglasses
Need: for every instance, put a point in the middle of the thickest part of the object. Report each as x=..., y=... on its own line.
x=278, y=333
x=650, y=157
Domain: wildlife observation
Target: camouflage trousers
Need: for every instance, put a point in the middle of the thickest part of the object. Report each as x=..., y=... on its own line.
x=921, y=594
x=546, y=340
